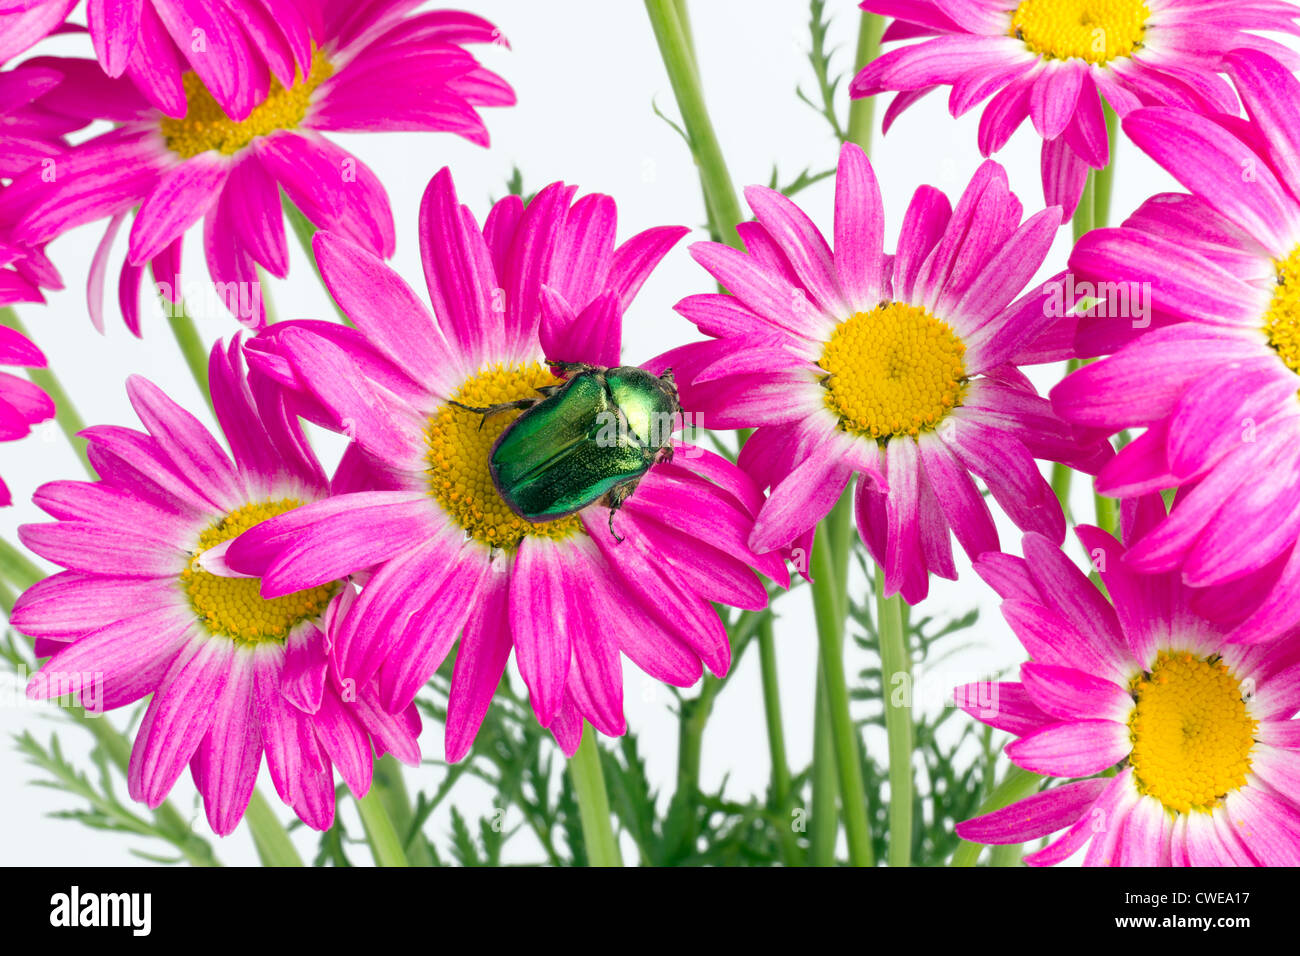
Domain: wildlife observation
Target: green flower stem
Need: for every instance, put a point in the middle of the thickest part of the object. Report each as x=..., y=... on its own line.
x=1062, y=474
x=65, y=413
x=391, y=785
x=593, y=802
x=191, y=345
x=1093, y=213
x=781, y=785
x=839, y=532
x=1107, y=509
x=684, y=18
x=17, y=568
x=862, y=112
x=894, y=660
x=829, y=606
x=1104, y=178
x=695, y=711
x=1082, y=223
x=269, y=836
x=304, y=230
x=1016, y=785
x=825, y=824
x=381, y=835
x=1107, y=513
x=1008, y=854
x=675, y=49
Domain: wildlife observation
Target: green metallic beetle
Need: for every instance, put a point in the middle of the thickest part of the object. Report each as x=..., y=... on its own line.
x=590, y=438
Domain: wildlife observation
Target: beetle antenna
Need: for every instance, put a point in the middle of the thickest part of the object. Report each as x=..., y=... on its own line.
x=492, y=409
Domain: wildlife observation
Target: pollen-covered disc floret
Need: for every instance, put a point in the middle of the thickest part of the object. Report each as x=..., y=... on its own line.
x=1094, y=30
x=1282, y=320
x=459, y=443
x=896, y=370
x=1192, y=733
x=232, y=607
x=206, y=125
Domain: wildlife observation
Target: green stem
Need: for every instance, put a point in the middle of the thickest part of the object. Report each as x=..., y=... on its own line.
x=7, y=597
x=894, y=660
x=269, y=837
x=684, y=18
x=593, y=802
x=1083, y=215
x=839, y=532
x=381, y=835
x=776, y=740
x=675, y=49
x=17, y=568
x=1007, y=854
x=695, y=713
x=1016, y=785
x=862, y=112
x=304, y=230
x=824, y=825
x=65, y=413
x=1062, y=474
x=391, y=785
x=1107, y=509
x=829, y=607
x=1084, y=219
x=191, y=345
x=1108, y=518
x=1104, y=178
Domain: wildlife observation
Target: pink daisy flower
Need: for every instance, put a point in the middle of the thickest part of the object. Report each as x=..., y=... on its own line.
x=235, y=47
x=451, y=560
x=147, y=605
x=901, y=369
x=1053, y=61
x=376, y=68
x=1200, y=731
x=1214, y=378
x=22, y=404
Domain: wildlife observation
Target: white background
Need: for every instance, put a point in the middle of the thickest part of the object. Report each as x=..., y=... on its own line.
x=587, y=73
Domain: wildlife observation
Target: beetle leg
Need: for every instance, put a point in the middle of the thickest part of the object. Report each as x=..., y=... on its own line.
x=617, y=495
x=491, y=410
x=569, y=367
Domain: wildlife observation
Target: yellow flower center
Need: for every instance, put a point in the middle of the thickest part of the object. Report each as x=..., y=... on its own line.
x=1094, y=30
x=460, y=442
x=1192, y=736
x=1282, y=320
x=896, y=370
x=206, y=126
x=232, y=607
